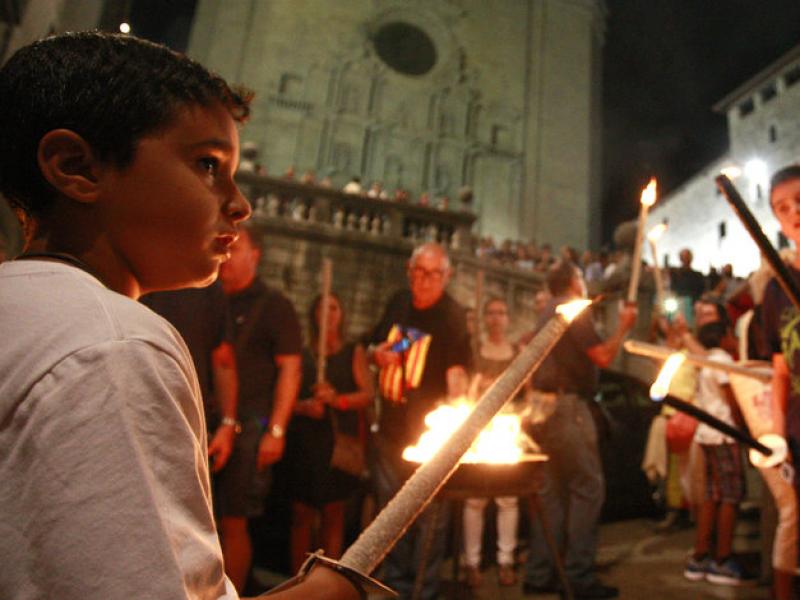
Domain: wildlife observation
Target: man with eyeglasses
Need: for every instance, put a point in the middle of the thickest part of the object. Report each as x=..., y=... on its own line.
x=425, y=306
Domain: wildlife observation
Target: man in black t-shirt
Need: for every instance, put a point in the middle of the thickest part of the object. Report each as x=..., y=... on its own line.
x=268, y=343
x=685, y=281
x=202, y=318
x=427, y=307
x=573, y=488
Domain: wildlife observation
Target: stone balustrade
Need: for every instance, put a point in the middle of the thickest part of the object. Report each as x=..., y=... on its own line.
x=288, y=200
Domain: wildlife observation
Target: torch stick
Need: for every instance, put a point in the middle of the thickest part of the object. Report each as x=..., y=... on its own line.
x=390, y=524
x=712, y=421
x=325, y=290
x=652, y=237
x=658, y=277
x=782, y=273
x=476, y=341
x=660, y=391
x=660, y=352
x=647, y=200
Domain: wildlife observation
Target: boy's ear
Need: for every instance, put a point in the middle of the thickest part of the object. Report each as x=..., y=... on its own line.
x=69, y=165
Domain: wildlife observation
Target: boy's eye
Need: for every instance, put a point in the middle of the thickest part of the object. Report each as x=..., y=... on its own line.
x=209, y=164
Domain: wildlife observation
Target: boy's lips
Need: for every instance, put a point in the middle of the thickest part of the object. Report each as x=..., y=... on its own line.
x=222, y=243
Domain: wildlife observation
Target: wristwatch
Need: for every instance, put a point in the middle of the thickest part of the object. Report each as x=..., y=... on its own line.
x=237, y=426
x=276, y=431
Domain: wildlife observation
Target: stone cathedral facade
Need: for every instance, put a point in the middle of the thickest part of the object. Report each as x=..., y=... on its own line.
x=430, y=95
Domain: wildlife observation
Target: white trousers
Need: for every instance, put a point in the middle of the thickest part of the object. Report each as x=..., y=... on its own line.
x=507, y=521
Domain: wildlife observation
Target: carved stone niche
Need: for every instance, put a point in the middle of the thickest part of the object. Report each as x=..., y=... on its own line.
x=451, y=108
x=499, y=127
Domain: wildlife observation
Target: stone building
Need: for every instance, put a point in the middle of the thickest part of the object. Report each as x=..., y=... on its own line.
x=764, y=135
x=502, y=97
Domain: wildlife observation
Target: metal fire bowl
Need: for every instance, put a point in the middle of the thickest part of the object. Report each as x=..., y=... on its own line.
x=487, y=480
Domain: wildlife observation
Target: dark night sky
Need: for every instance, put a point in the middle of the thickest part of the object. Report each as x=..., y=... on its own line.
x=666, y=62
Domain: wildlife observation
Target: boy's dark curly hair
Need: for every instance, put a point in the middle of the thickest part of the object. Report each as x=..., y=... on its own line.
x=111, y=89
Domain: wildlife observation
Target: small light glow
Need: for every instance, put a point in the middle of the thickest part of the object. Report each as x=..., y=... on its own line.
x=660, y=387
x=774, y=442
x=731, y=171
x=570, y=310
x=649, y=193
x=756, y=170
x=670, y=305
x=124, y=27
x=656, y=232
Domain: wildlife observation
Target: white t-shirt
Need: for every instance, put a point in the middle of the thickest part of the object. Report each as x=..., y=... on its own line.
x=104, y=489
x=711, y=399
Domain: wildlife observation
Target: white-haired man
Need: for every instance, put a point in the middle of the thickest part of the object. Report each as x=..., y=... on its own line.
x=427, y=307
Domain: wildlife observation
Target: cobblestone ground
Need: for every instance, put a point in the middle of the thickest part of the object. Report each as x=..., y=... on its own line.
x=644, y=565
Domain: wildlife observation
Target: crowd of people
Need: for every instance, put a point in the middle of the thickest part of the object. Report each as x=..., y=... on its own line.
x=134, y=448
x=726, y=319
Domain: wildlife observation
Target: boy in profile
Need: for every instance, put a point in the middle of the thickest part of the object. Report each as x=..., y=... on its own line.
x=120, y=155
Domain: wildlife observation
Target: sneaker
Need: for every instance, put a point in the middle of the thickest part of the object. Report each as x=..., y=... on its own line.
x=728, y=572
x=696, y=569
x=595, y=590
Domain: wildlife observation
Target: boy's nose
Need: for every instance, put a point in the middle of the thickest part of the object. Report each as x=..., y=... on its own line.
x=238, y=208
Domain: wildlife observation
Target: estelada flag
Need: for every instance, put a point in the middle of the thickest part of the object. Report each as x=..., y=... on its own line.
x=412, y=345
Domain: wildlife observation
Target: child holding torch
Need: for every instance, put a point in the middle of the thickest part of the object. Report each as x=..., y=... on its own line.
x=781, y=330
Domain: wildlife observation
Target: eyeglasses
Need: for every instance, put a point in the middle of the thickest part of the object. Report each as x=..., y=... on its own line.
x=434, y=275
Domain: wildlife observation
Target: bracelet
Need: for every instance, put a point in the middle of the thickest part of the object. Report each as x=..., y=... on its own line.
x=276, y=431
x=230, y=421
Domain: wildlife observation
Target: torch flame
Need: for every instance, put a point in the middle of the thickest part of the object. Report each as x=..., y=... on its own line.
x=501, y=441
x=649, y=193
x=656, y=232
x=731, y=171
x=660, y=387
x=570, y=310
